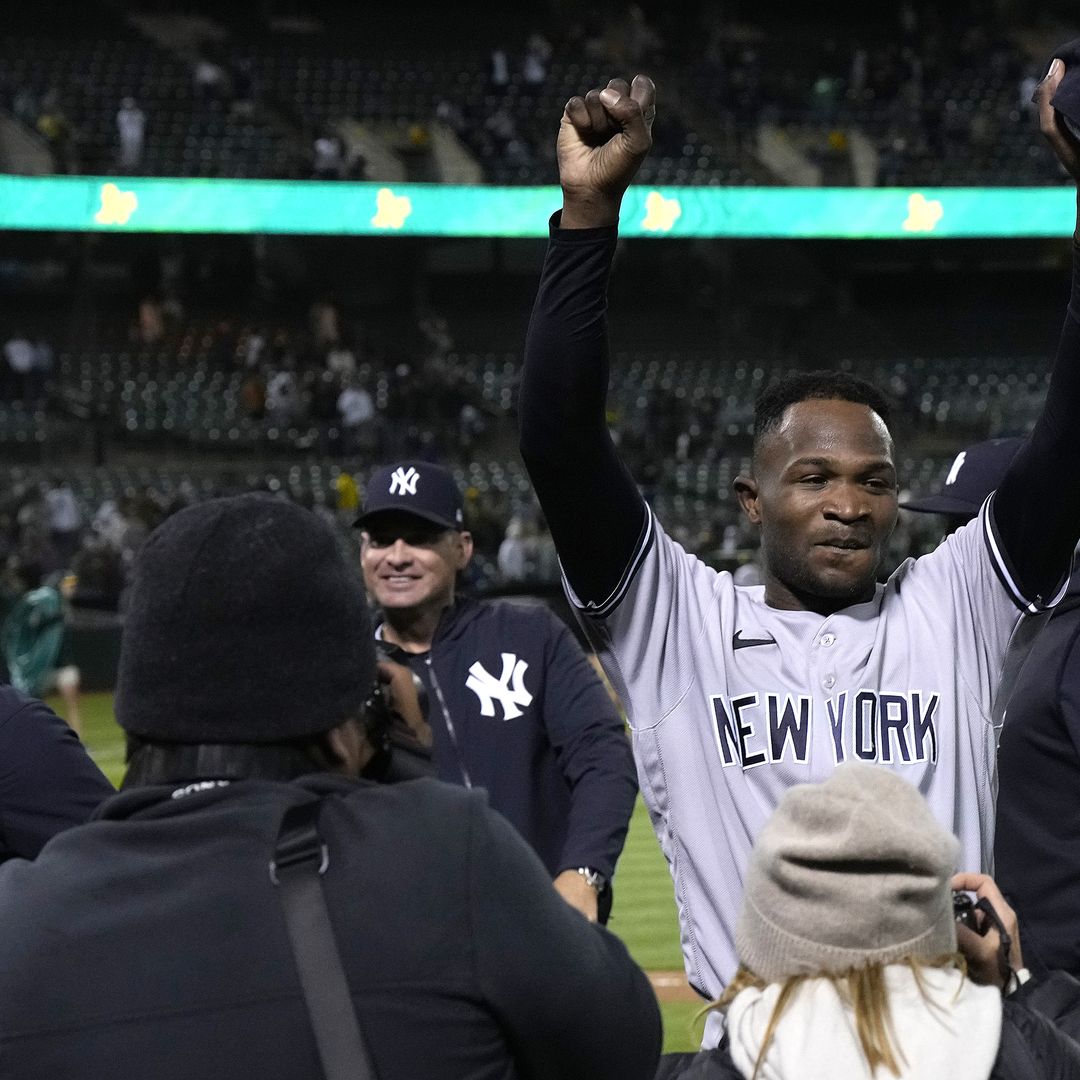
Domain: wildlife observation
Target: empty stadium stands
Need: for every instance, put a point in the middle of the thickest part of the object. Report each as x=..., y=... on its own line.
x=932, y=111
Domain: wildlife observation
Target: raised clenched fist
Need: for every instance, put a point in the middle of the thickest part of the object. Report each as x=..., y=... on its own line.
x=603, y=138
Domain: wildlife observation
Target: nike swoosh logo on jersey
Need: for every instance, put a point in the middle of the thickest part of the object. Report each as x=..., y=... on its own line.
x=739, y=642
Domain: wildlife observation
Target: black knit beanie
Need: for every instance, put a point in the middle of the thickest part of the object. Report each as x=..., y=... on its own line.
x=246, y=624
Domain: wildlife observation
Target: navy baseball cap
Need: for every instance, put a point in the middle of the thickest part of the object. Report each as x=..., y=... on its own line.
x=974, y=473
x=414, y=487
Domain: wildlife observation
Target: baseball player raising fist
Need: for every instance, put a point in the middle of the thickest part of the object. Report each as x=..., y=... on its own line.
x=736, y=693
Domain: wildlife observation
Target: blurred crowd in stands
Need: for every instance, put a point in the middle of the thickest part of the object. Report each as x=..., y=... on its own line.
x=925, y=95
x=929, y=95
x=47, y=529
x=683, y=424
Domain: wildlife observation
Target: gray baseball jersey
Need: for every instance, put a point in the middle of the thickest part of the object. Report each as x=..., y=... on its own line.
x=731, y=702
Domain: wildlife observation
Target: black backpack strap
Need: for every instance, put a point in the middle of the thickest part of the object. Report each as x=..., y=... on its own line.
x=300, y=859
x=991, y=918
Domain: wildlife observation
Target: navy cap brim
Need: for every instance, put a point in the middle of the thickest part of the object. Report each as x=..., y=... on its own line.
x=435, y=519
x=941, y=504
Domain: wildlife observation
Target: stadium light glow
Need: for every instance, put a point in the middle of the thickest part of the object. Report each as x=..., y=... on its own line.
x=145, y=204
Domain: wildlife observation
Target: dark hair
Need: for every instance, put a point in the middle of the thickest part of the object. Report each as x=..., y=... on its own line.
x=150, y=761
x=155, y=761
x=798, y=386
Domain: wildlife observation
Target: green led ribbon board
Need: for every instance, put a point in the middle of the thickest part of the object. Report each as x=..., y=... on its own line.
x=134, y=204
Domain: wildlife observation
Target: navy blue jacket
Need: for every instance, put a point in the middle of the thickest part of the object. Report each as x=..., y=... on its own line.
x=1037, y=844
x=516, y=708
x=47, y=780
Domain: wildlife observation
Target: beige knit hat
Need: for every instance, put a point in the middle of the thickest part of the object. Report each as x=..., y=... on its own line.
x=851, y=872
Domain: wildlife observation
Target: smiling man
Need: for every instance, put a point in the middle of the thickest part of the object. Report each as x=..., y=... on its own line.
x=824, y=480
x=513, y=704
x=736, y=693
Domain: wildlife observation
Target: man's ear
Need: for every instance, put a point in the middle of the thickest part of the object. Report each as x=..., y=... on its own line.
x=464, y=549
x=746, y=490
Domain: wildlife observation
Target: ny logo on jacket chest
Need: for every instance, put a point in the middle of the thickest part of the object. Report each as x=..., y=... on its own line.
x=509, y=689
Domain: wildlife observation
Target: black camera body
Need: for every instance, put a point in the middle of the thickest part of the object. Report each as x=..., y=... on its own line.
x=964, y=911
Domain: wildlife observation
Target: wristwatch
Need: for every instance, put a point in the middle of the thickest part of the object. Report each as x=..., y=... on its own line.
x=593, y=878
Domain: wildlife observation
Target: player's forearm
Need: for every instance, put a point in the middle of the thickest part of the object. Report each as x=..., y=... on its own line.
x=565, y=374
x=598, y=765
x=599, y=819
x=594, y=757
x=1037, y=507
x=592, y=504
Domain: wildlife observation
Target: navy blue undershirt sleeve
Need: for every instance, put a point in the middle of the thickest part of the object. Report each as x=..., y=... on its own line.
x=48, y=782
x=1035, y=513
x=596, y=514
x=594, y=757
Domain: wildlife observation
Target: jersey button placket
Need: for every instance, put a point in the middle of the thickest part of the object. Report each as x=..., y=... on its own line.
x=827, y=641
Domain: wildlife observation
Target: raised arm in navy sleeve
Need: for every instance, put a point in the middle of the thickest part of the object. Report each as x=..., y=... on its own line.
x=47, y=780
x=596, y=514
x=1035, y=513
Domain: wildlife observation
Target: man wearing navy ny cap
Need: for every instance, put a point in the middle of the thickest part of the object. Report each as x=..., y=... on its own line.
x=513, y=704
x=974, y=473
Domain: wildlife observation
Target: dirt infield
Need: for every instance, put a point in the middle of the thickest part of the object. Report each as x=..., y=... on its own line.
x=672, y=986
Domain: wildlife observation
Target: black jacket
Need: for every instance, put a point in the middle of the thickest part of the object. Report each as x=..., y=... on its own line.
x=152, y=943
x=47, y=780
x=515, y=708
x=1037, y=842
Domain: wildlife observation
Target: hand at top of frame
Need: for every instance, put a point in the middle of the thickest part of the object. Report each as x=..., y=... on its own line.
x=603, y=138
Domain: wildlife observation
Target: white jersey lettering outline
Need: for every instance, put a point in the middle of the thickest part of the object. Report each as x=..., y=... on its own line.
x=862, y=751
x=883, y=727
x=837, y=707
x=784, y=728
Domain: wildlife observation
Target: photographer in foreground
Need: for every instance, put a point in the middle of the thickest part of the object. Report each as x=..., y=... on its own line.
x=849, y=960
x=247, y=906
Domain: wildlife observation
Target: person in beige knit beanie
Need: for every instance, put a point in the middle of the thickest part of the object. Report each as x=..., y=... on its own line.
x=849, y=958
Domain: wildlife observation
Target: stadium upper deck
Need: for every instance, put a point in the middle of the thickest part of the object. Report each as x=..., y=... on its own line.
x=932, y=100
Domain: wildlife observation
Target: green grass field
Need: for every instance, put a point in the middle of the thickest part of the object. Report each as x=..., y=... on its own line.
x=644, y=912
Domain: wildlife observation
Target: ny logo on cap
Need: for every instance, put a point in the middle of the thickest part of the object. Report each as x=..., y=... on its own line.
x=957, y=465
x=404, y=483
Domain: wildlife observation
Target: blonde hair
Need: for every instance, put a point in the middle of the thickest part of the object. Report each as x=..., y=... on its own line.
x=863, y=989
